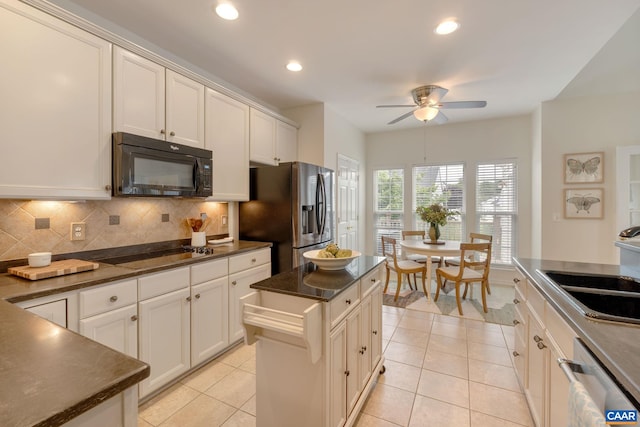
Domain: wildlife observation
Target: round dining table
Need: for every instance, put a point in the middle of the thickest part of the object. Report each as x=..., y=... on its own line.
x=450, y=248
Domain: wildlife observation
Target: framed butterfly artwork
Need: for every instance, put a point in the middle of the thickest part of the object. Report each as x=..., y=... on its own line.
x=584, y=168
x=585, y=203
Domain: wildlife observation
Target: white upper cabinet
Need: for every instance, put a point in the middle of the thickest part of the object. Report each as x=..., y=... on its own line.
x=55, y=108
x=227, y=135
x=152, y=101
x=286, y=142
x=263, y=138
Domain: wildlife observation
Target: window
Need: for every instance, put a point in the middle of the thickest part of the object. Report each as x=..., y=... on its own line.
x=388, y=210
x=496, y=207
x=440, y=184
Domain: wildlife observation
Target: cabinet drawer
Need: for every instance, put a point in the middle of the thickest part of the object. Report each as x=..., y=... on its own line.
x=99, y=300
x=520, y=282
x=211, y=270
x=369, y=281
x=249, y=260
x=535, y=301
x=342, y=304
x=161, y=283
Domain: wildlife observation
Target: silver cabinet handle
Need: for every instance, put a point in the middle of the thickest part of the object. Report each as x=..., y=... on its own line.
x=515, y=353
x=516, y=322
x=516, y=280
x=541, y=345
x=536, y=338
x=348, y=301
x=253, y=260
x=234, y=283
x=134, y=318
x=162, y=131
x=373, y=280
x=516, y=301
x=107, y=187
x=197, y=296
x=347, y=372
x=374, y=332
x=113, y=298
x=188, y=299
x=172, y=133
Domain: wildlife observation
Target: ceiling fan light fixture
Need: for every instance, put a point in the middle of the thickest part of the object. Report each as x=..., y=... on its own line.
x=227, y=11
x=447, y=27
x=425, y=114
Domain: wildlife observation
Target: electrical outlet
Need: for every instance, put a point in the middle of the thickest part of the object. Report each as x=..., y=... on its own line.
x=78, y=231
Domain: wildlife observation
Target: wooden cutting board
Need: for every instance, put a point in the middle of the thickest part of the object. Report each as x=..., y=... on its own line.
x=56, y=268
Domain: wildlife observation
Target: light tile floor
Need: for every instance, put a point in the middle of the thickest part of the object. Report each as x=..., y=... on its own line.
x=440, y=370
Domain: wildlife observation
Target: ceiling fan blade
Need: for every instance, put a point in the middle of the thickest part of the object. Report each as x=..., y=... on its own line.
x=402, y=117
x=394, y=106
x=463, y=104
x=439, y=119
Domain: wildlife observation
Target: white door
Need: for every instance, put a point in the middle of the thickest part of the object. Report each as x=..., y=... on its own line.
x=164, y=337
x=117, y=329
x=347, y=202
x=138, y=95
x=184, y=110
x=209, y=319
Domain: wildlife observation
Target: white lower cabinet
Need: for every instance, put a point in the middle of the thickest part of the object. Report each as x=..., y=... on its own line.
x=61, y=309
x=209, y=319
x=164, y=330
x=541, y=337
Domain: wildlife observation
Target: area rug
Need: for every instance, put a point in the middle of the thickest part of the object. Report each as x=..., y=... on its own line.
x=500, y=312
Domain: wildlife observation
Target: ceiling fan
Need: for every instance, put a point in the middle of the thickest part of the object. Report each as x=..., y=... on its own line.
x=427, y=104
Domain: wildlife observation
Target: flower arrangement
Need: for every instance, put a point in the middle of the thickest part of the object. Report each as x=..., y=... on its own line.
x=436, y=214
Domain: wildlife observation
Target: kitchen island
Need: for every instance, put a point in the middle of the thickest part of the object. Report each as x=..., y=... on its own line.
x=319, y=343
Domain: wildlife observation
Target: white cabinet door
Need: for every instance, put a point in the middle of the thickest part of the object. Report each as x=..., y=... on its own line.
x=338, y=376
x=117, y=329
x=138, y=95
x=262, y=138
x=557, y=399
x=354, y=360
x=286, y=142
x=227, y=135
x=55, y=108
x=239, y=286
x=164, y=339
x=365, y=342
x=209, y=319
x=55, y=311
x=376, y=325
x=184, y=110
x=537, y=371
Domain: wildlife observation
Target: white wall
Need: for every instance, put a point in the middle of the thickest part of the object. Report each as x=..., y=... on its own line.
x=579, y=125
x=470, y=142
x=324, y=134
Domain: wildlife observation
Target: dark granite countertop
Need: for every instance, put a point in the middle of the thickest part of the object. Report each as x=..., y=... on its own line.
x=308, y=281
x=51, y=374
x=616, y=345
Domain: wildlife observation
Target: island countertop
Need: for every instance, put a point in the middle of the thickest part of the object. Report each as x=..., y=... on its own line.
x=616, y=345
x=308, y=281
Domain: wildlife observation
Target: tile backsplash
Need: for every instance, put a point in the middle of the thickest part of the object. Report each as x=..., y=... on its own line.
x=138, y=221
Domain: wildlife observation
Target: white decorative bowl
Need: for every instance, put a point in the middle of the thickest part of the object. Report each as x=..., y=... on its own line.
x=39, y=259
x=330, y=263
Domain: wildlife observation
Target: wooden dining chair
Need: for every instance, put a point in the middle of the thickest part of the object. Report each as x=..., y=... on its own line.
x=400, y=266
x=475, y=261
x=473, y=238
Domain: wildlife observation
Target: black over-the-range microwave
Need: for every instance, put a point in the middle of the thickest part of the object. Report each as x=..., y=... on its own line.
x=147, y=167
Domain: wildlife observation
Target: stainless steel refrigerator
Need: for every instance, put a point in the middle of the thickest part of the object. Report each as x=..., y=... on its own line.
x=291, y=205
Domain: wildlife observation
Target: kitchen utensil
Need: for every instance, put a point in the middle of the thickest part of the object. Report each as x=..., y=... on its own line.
x=39, y=259
x=56, y=268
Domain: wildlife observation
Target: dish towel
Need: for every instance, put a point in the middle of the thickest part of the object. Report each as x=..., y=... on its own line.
x=583, y=411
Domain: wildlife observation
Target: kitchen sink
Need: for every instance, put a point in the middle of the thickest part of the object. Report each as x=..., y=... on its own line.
x=600, y=297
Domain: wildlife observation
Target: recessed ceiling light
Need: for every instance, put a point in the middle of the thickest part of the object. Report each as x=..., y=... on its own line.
x=227, y=11
x=447, y=27
x=294, y=66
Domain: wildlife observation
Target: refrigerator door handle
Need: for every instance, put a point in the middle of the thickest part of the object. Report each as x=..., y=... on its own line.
x=321, y=205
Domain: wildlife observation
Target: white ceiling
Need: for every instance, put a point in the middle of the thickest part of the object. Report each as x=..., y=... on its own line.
x=357, y=54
